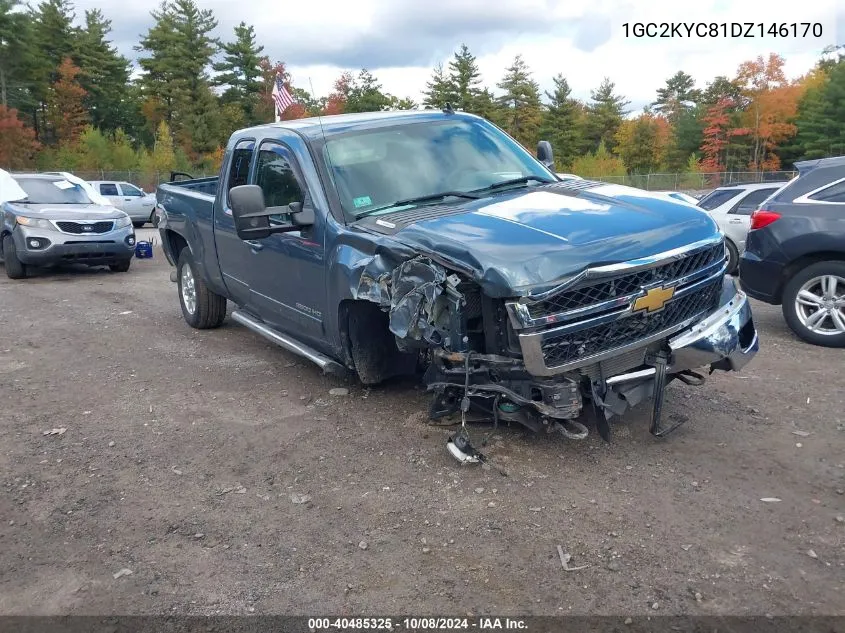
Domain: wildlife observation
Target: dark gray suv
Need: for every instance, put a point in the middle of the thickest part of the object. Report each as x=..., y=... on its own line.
x=795, y=252
x=49, y=220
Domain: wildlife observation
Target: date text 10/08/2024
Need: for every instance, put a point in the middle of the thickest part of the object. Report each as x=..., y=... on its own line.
x=416, y=624
x=723, y=29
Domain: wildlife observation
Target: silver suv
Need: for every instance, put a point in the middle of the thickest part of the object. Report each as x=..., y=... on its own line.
x=49, y=220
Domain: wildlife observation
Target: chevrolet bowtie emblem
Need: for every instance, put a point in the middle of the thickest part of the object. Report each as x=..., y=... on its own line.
x=653, y=300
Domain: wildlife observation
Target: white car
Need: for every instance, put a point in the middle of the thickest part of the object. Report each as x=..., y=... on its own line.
x=676, y=196
x=731, y=206
x=132, y=200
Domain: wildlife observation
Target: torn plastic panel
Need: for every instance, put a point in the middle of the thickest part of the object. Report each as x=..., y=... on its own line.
x=411, y=293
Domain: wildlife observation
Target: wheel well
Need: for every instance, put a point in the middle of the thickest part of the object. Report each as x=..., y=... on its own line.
x=369, y=347
x=176, y=243
x=791, y=269
x=3, y=234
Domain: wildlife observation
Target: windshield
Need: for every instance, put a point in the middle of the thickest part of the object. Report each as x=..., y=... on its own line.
x=47, y=191
x=375, y=169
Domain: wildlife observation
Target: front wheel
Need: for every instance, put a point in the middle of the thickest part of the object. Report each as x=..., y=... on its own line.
x=15, y=268
x=733, y=258
x=814, y=304
x=201, y=308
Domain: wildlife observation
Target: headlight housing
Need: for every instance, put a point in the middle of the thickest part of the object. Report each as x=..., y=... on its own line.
x=35, y=223
x=122, y=222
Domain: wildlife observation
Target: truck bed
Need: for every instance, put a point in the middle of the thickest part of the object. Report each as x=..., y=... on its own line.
x=197, y=185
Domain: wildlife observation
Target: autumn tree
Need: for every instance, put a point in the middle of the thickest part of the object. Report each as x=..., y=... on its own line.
x=642, y=143
x=522, y=109
x=559, y=125
x=771, y=101
x=240, y=71
x=599, y=164
x=716, y=136
x=605, y=113
x=66, y=111
x=17, y=141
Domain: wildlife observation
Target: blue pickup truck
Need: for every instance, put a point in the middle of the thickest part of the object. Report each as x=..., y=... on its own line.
x=391, y=243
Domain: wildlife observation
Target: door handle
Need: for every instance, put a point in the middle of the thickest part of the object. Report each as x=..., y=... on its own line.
x=736, y=220
x=128, y=199
x=256, y=246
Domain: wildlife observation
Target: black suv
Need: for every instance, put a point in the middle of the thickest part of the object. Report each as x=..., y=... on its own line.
x=795, y=252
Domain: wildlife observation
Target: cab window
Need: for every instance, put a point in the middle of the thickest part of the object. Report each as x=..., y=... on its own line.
x=108, y=189
x=275, y=175
x=239, y=166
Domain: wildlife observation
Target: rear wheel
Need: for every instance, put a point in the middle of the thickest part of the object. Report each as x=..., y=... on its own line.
x=733, y=257
x=814, y=304
x=153, y=219
x=201, y=308
x=121, y=267
x=15, y=268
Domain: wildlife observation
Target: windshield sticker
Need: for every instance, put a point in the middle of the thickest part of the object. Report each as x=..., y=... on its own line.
x=363, y=201
x=64, y=184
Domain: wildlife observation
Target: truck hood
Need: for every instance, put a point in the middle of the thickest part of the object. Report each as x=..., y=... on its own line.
x=530, y=240
x=78, y=212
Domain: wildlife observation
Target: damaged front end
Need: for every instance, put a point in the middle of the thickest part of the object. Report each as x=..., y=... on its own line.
x=601, y=342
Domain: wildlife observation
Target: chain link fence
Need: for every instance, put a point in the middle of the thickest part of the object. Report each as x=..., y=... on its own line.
x=687, y=182
x=695, y=181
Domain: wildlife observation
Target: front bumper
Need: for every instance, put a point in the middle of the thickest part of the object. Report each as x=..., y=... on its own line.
x=725, y=340
x=100, y=249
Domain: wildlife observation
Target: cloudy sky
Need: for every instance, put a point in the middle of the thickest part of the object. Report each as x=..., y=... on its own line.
x=401, y=40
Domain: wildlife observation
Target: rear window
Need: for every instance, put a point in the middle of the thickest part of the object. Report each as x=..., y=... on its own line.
x=109, y=189
x=47, y=191
x=717, y=198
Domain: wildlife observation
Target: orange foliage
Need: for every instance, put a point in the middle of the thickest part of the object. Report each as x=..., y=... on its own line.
x=294, y=111
x=17, y=141
x=66, y=110
x=336, y=103
x=772, y=104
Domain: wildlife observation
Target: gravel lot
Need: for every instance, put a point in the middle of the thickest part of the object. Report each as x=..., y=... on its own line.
x=221, y=472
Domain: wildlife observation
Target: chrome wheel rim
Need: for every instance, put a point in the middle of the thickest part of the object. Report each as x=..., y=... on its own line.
x=820, y=305
x=189, y=291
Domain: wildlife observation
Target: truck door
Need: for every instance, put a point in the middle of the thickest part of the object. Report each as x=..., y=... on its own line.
x=136, y=204
x=109, y=190
x=288, y=279
x=235, y=256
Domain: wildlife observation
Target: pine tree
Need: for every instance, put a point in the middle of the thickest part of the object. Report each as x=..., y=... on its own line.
x=604, y=116
x=521, y=102
x=366, y=95
x=179, y=48
x=240, y=71
x=439, y=90
x=677, y=96
x=464, y=79
x=104, y=74
x=820, y=117
x=18, y=54
x=559, y=125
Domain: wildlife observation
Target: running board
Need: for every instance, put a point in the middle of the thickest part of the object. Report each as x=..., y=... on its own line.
x=291, y=344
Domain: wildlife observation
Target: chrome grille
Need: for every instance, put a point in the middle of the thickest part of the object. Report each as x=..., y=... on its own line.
x=597, y=291
x=590, y=341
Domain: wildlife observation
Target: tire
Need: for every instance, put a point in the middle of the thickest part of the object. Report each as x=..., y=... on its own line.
x=208, y=309
x=15, y=268
x=733, y=258
x=138, y=225
x=120, y=267
x=373, y=346
x=153, y=219
x=814, y=280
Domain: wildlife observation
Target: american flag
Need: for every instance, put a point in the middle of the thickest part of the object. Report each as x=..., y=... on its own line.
x=281, y=96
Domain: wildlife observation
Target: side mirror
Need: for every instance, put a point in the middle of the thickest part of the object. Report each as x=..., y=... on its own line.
x=545, y=154
x=301, y=217
x=252, y=222
x=252, y=215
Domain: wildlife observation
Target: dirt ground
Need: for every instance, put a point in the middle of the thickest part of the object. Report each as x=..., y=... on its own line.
x=221, y=472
